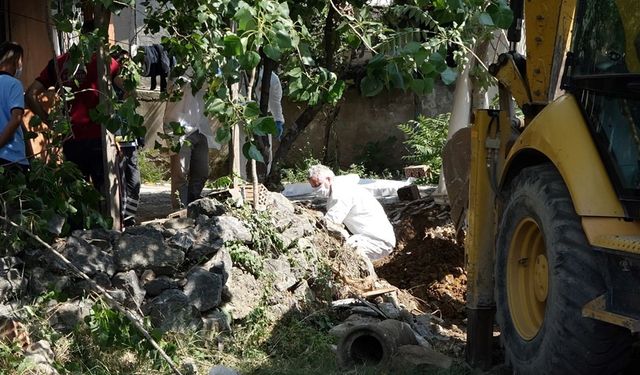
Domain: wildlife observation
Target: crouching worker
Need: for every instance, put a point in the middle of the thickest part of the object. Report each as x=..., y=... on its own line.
x=371, y=232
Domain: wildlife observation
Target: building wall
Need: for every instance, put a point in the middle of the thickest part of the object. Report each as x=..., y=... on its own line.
x=367, y=123
x=27, y=26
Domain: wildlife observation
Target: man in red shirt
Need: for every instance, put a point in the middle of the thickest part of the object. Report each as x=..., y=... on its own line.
x=84, y=148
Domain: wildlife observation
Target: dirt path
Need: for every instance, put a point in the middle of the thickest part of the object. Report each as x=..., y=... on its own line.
x=155, y=202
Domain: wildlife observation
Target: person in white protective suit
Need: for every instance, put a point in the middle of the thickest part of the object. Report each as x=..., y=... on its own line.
x=347, y=203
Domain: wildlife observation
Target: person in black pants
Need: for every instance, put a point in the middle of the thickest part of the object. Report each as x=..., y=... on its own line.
x=130, y=181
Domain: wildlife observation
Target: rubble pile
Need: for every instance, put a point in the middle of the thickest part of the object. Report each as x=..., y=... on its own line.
x=211, y=267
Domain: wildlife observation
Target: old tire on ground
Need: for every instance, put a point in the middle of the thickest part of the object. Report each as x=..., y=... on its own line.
x=545, y=272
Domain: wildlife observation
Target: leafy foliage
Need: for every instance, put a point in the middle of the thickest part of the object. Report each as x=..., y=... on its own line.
x=300, y=171
x=426, y=138
x=111, y=329
x=50, y=200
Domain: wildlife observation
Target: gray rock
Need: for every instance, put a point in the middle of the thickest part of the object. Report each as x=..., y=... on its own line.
x=90, y=235
x=230, y=228
x=282, y=210
x=42, y=281
x=245, y=293
x=300, y=227
x=120, y=296
x=202, y=251
x=205, y=206
x=67, y=315
x=303, y=293
x=222, y=370
x=158, y=285
x=179, y=223
x=87, y=258
x=285, y=304
x=41, y=357
x=145, y=248
x=221, y=264
x=389, y=310
x=304, y=259
x=11, y=284
x=183, y=240
x=189, y=367
x=102, y=279
x=203, y=288
x=7, y=263
x=129, y=283
x=77, y=289
x=172, y=311
x=100, y=244
x=214, y=323
x=291, y=235
x=279, y=271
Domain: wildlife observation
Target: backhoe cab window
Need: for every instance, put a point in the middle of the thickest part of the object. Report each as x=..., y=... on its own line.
x=605, y=79
x=608, y=37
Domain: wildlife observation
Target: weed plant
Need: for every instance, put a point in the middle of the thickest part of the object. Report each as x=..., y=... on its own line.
x=425, y=139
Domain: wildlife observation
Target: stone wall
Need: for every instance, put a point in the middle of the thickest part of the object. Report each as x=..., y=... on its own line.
x=363, y=121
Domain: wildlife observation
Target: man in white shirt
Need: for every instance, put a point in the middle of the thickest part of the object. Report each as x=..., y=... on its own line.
x=190, y=167
x=356, y=208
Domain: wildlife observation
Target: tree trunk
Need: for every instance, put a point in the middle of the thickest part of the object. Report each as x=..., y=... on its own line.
x=109, y=157
x=331, y=120
x=301, y=123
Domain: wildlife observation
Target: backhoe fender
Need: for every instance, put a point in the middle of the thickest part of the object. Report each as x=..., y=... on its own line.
x=559, y=134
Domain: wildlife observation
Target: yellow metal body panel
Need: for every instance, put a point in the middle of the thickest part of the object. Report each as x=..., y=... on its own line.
x=597, y=309
x=560, y=133
x=510, y=77
x=547, y=25
x=613, y=233
x=479, y=243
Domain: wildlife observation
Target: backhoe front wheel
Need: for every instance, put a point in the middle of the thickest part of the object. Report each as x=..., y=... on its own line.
x=545, y=272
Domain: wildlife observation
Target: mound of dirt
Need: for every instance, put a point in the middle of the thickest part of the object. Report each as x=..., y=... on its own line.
x=428, y=261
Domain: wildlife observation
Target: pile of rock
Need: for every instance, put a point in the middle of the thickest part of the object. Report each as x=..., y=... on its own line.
x=178, y=272
x=194, y=272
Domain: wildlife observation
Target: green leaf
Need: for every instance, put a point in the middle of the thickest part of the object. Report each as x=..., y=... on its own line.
x=223, y=135
x=250, y=151
x=252, y=109
x=417, y=86
x=295, y=72
x=485, y=19
x=176, y=128
x=283, y=39
x=501, y=15
x=273, y=52
x=216, y=106
x=395, y=77
x=336, y=92
x=249, y=60
x=371, y=86
x=376, y=62
x=427, y=68
x=306, y=56
x=412, y=48
x=244, y=16
x=449, y=75
x=263, y=126
x=232, y=45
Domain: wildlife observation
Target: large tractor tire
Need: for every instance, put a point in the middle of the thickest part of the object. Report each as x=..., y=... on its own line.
x=545, y=273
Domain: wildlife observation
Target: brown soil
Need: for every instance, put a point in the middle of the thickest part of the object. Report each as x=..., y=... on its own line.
x=428, y=263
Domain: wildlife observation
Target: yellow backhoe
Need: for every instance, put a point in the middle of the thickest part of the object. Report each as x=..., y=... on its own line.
x=553, y=224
